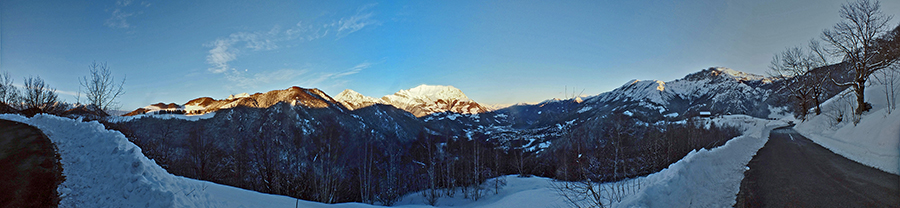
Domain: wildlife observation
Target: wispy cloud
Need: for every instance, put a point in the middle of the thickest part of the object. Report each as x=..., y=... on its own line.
x=121, y=13
x=355, y=69
x=354, y=23
x=245, y=79
x=64, y=92
x=318, y=79
x=221, y=53
x=119, y=19
x=226, y=49
x=301, y=77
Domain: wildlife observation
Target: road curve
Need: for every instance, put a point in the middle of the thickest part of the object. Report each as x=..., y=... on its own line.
x=30, y=171
x=793, y=171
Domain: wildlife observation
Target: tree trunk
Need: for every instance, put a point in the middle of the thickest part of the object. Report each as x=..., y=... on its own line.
x=860, y=97
x=817, y=94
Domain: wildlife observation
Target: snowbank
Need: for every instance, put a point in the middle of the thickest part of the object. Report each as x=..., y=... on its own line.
x=705, y=178
x=875, y=141
x=104, y=169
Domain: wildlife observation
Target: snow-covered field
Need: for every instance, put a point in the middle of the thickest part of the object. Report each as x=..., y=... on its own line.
x=875, y=141
x=104, y=169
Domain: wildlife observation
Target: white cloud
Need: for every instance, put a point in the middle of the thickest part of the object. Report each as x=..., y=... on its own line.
x=67, y=92
x=123, y=3
x=334, y=77
x=119, y=16
x=355, y=69
x=119, y=19
x=221, y=53
x=227, y=49
x=246, y=79
x=354, y=23
x=72, y=93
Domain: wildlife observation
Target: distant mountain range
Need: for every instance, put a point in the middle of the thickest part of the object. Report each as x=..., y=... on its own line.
x=298, y=124
x=420, y=101
x=448, y=110
x=717, y=90
x=313, y=98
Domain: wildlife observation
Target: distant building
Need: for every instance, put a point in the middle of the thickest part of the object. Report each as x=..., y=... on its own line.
x=705, y=114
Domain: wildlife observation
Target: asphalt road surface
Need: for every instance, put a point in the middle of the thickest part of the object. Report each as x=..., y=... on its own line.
x=29, y=167
x=793, y=171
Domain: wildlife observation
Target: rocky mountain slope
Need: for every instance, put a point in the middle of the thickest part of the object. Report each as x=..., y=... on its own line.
x=313, y=98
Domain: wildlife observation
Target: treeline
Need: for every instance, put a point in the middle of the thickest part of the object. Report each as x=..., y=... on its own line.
x=35, y=97
x=616, y=147
x=99, y=89
x=330, y=160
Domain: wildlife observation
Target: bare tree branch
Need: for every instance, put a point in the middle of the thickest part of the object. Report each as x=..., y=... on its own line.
x=100, y=88
x=861, y=40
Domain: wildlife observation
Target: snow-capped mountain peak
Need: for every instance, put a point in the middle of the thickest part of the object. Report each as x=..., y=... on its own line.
x=420, y=101
x=351, y=95
x=738, y=75
x=429, y=93
x=312, y=98
x=353, y=100
x=717, y=89
x=242, y=95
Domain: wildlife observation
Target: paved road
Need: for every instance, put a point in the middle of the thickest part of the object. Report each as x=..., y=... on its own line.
x=29, y=167
x=793, y=171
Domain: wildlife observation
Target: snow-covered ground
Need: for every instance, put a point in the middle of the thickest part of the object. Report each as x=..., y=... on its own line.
x=704, y=178
x=519, y=192
x=117, y=119
x=104, y=169
x=874, y=141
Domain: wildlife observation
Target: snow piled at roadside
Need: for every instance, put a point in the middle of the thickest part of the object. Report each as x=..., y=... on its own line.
x=104, y=169
x=705, y=178
x=875, y=141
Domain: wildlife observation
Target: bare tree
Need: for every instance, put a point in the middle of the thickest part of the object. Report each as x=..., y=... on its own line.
x=890, y=44
x=100, y=88
x=203, y=152
x=856, y=40
x=583, y=193
x=578, y=188
x=797, y=64
x=38, y=95
x=391, y=184
x=889, y=80
x=327, y=166
x=9, y=94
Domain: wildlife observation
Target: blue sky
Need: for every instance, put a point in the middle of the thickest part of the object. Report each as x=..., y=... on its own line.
x=497, y=52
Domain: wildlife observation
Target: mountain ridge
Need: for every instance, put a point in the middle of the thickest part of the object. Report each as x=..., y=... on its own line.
x=421, y=100
x=313, y=98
